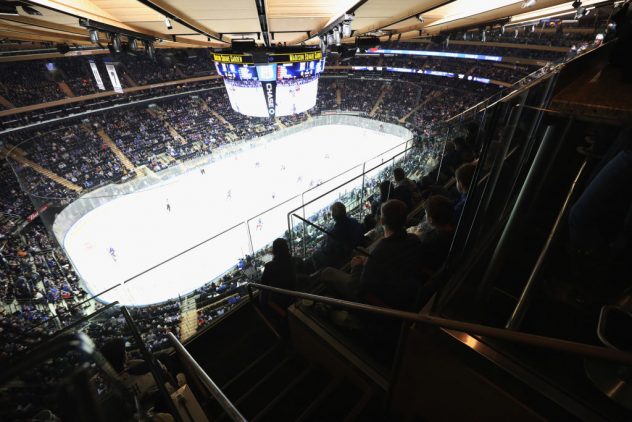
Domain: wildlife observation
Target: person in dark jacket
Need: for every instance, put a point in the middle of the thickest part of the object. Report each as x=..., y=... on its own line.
x=281, y=273
x=393, y=273
x=346, y=234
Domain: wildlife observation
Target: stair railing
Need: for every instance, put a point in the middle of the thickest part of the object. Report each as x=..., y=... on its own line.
x=534, y=340
x=215, y=391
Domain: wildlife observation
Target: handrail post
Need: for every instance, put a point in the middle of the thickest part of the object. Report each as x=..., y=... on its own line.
x=223, y=401
x=250, y=294
x=502, y=248
x=151, y=362
x=519, y=311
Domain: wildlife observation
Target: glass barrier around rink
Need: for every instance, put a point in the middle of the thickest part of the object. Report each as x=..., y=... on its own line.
x=267, y=226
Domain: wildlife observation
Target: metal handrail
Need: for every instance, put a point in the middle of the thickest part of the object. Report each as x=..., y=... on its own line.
x=223, y=401
x=518, y=313
x=151, y=362
x=566, y=346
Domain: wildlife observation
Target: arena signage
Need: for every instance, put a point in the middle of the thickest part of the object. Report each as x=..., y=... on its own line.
x=435, y=54
x=269, y=89
x=306, y=57
x=232, y=58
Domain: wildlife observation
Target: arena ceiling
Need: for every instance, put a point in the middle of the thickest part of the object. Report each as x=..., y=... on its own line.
x=196, y=23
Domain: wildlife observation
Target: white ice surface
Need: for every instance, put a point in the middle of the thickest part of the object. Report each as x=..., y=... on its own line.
x=143, y=233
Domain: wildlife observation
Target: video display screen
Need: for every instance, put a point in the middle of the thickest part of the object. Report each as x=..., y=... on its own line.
x=273, y=89
x=286, y=97
x=270, y=72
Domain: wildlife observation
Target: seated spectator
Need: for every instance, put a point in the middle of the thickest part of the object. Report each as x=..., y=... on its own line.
x=281, y=273
x=405, y=189
x=437, y=238
x=464, y=176
x=392, y=274
x=346, y=234
x=465, y=152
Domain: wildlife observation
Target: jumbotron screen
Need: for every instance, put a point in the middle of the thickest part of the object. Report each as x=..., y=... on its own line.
x=287, y=84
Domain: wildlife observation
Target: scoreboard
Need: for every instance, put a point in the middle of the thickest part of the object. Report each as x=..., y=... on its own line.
x=270, y=84
x=273, y=71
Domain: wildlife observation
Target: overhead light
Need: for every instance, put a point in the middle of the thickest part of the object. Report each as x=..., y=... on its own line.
x=576, y=4
x=330, y=38
x=150, y=49
x=528, y=3
x=346, y=29
x=502, y=29
x=483, y=37
x=116, y=43
x=168, y=23
x=323, y=45
x=420, y=18
x=94, y=36
x=31, y=11
x=337, y=39
x=133, y=45
x=581, y=12
x=516, y=33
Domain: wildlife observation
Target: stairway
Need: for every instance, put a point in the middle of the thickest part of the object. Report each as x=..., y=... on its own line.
x=379, y=100
x=116, y=150
x=66, y=89
x=160, y=114
x=6, y=103
x=188, y=318
x=222, y=119
x=267, y=380
x=431, y=96
x=128, y=79
x=6, y=149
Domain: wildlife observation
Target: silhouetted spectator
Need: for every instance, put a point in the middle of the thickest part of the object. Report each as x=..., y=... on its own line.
x=464, y=176
x=281, y=273
x=346, y=234
x=436, y=239
x=393, y=272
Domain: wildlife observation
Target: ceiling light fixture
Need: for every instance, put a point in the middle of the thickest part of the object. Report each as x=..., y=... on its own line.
x=528, y=3
x=94, y=36
x=346, y=29
x=168, y=23
x=116, y=42
x=150, y=49
x=336, y=36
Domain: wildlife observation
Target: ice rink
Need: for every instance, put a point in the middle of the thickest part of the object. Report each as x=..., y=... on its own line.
x=131, y=235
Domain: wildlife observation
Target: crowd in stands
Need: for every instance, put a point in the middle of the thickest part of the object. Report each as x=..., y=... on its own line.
x=25, y=83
